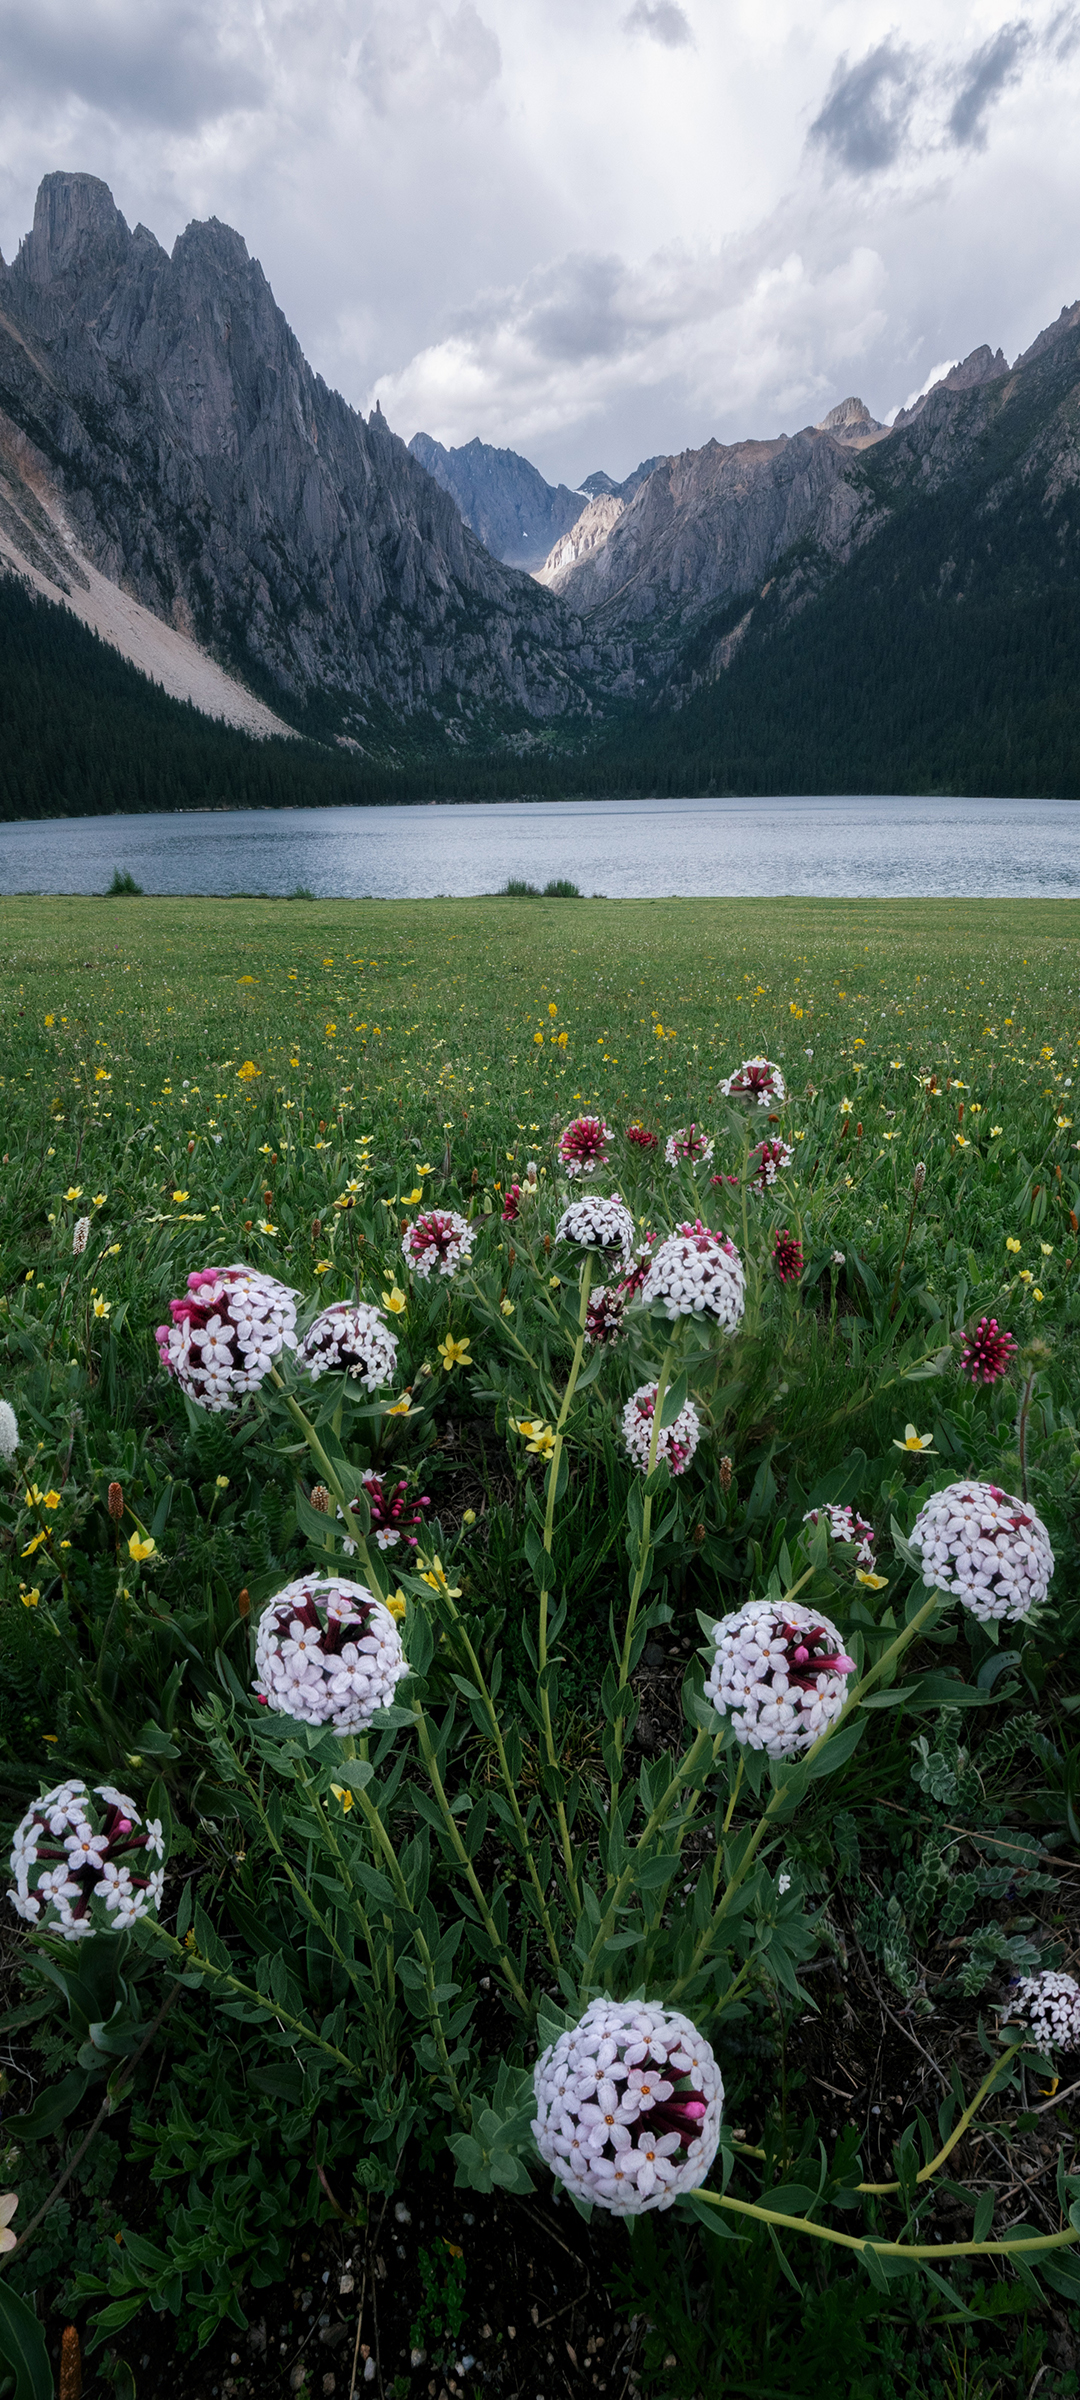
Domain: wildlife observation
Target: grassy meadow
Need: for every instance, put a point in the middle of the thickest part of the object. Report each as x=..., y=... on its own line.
x=339, y=2011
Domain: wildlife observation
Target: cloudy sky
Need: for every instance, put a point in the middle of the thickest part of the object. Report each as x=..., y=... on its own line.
x=589, y=229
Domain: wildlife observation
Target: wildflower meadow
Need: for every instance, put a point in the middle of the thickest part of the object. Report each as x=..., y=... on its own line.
x=538, y=1648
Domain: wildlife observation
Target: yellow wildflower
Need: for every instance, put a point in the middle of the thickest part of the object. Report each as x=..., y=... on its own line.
x=36, y=1543
x=915, y=1441
x=1036, y=1294
x=454, y=1353
x=395, y=1300
x=397, y=1604
x=994, y=1132
x=140, y=1548
x=30, y=1598
x=265, y=1225
x=99, y=1199
x=341, y=1792
x=248, y=1071
x=180, y=1198
x=506, y=1308
x=1011, y=1242
x=434, y=1574
x=1047, y=1249
x=73, y=1192
x=874, y=1583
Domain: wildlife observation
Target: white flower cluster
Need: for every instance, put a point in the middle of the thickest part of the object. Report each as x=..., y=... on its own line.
x=226, y=1332
x=989, y=1548
x=757, y=1079
x=82, y=1862
x=80, y=1236
x=697, y=1273
x=355, y=1341
x=778, y=1673
x=767, y=1161
x=605, y=1312
x=596, y=1224
x=327, y=1652
x=1050, y=2004
x=439, y=1242
x=675, y=1444
x=846, y=1525
x=689, y=1147
x=628, y=2106
x=9, y=1430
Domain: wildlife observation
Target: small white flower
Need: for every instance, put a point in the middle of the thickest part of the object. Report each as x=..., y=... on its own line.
x=652, y=2130
x=227, y=1330
x=328, y=1652
x=440, y=1240
x=675, y=1443
x=846, y=1525
x=987, y=1547
x=356, y=1341
x=689, y=1147
x=1050, y=2004
x=697, y=1273
x=758, y=1079
x=596, y=1224
x=778, y=1674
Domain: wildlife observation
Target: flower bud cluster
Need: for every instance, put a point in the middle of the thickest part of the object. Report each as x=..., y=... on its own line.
x=778, y=1672
x=986, y=1352
x=766, y=1162
x=584, y=1146
x=697, y=1273
x=438, y=1242
x=596, y=1224
x=640, y=1135
x=83, y=1862
x=604, y=1314
x=628, y=2105
x=788, y=1257
x=688, y=1147
x=354, y=1341
x=758, y=1079
x=987, y=1547
x=675, y=1444
x=846, y=1525
x=394, y=1512
x=1050, y=2004
x=226, y=1332
x=327, y=1652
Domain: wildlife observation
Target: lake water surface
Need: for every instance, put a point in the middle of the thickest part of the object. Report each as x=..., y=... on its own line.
x=873, y=848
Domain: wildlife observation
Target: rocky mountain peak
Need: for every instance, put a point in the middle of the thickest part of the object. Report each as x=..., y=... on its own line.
x=76, y=225
x=850, y=421
x=980, y=366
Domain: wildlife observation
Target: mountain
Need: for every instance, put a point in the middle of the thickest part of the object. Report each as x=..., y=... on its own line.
x=160, y=426
x=506, y=501
x=589, y=532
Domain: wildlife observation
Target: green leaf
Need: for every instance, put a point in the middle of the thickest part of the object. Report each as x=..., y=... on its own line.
x=22, y=2347
x=674, y=1402
x=837, y=1751
x=51, y=2109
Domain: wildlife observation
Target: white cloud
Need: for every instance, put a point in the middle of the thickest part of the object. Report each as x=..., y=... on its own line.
x=594, y=232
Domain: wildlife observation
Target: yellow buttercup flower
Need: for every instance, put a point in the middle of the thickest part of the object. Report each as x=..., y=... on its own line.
x=874, y=1583
x=434, y=1574
x=1036, y=1294
x=397, y=1604
x=73, y=1192
x=342, y=1793
x=1047, y=1249
x=539, y=1436
x=506, y=1308
x=1026, y=1275
x=140, y=1548
x=30, y=1599
x=35, y=1543
x=454, y=1353
x=915, y=1441
x=180, y=1198
x=994, y=1132
x=1011, y=1242
x=99, y=1199
x=102, y=1308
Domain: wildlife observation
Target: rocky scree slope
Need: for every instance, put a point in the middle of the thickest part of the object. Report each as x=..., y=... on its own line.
x=204, y=468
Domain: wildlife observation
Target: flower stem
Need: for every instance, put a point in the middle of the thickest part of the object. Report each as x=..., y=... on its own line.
x=545, y=1591
x=1030, y=2245
x=739, y=1872
x=492, y=1715
x=640, y=1571
x=453, y=1829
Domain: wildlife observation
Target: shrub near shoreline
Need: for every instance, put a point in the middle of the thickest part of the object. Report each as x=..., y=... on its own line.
x=499, y=1824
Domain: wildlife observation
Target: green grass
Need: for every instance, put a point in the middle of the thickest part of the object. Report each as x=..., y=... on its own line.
x=210, y=1080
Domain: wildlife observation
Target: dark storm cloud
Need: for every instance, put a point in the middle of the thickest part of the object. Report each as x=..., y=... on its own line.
x=867, y=111
x=987, y=72
x=145, y=60
x=663, y=20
